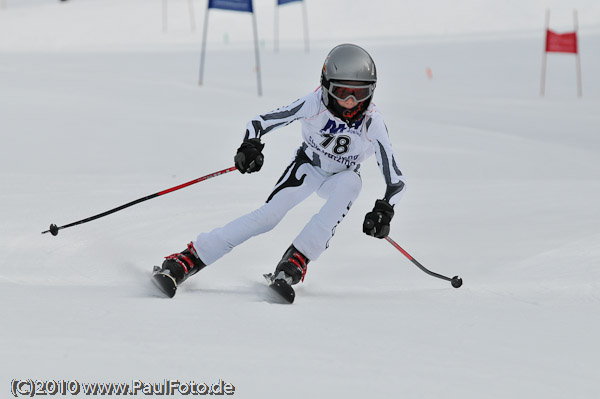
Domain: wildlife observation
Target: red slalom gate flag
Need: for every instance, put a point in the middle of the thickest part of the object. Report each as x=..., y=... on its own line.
x=561, y=42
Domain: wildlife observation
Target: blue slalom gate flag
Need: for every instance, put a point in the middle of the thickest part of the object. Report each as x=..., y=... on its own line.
x=304, y=17
x=234, y=5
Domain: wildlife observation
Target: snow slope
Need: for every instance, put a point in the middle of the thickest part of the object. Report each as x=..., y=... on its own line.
x=503, y=187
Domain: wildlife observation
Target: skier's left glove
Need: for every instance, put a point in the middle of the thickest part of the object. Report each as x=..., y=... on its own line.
x=249, y=157
x=377, y=222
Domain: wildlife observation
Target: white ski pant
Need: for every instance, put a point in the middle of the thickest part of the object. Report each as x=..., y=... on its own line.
x=299, y=181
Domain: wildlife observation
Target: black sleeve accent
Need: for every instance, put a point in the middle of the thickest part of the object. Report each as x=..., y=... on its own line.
x=258, y=129
x=386, y=169
x=282, y=114
x=393, y=189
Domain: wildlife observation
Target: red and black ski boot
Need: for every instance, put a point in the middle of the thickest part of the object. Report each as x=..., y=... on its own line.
x=176, y=269
x=290, y=270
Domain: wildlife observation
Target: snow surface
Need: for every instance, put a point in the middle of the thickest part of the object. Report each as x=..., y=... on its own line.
x=99, y=107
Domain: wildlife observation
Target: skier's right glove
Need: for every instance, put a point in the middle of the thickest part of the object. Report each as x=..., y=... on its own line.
x=249, y=157
x=377, y=222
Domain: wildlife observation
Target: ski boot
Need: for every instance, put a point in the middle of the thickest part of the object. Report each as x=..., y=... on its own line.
x=176, y=269
x=290, y=270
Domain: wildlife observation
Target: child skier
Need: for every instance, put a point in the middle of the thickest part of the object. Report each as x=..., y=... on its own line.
x=340, y=129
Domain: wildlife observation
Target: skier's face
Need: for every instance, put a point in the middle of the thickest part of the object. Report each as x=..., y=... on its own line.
x=348, y=103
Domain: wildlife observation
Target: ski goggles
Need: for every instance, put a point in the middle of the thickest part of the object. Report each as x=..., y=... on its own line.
x=342, y=92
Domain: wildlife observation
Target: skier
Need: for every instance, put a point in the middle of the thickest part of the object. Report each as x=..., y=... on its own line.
x=340, y=129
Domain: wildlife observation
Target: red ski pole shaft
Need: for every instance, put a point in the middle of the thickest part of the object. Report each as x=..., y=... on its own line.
x=456, y=281
x=54, y=228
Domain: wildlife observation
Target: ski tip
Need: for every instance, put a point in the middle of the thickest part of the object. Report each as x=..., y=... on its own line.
x=284, y=291
x=164, y=281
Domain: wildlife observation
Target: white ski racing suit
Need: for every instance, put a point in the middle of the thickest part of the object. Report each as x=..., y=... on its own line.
x=327, y=162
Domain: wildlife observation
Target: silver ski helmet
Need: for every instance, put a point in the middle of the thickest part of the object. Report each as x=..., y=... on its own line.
x=348, y=71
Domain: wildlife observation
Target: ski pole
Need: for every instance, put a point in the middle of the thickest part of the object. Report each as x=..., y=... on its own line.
x=455, y=281
x=54, y=228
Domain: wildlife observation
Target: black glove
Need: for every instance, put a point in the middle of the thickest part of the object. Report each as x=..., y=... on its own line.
x=377, y=222
x=249, y=157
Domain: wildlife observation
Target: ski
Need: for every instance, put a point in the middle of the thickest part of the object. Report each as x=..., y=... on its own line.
x=285, y=292
x=164, y=281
